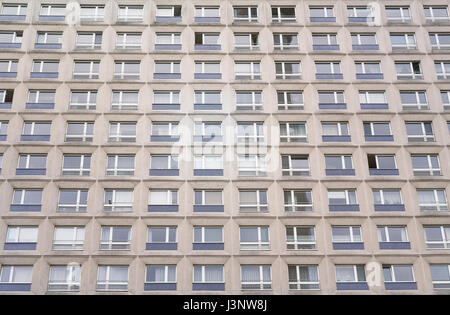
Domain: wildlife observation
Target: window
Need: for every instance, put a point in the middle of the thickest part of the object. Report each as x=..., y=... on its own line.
x=398, y=14
x=79, y=131
x=112, y=278
x=207, y=100
x=246, y=41
x=6, y=97
x=167, y=70
x=130, y=13
x=122, y=132
x=165, y=131
x=207, y=41
x=128, y=40
x=440, y=275
x=335, y=131
x=398, y=273
x=437, y=236
x=360, y=14
x=392, y=234
x=339, y=165
x=68, y=238
x=342, y=197
x=31, y=164
x=166, y=100
x=168, y=41
x=89, y=40
x=208, y=274
x=440, y=40
x=86, y=100
x=445, y=98
x=125, y=100
x=161, y=274
x=8, y=68
x=253, y=200
x=285, y=41
x=11, y=39
x=72, y=200
x=387, y=196
x=321, y=14
x=92, y=13
x=251, y=165
x=118, y=200
x=382, y=164
x=208, y=131
x=127, y=70
x=303, y=277
x=290, y=100
x=283, y=14
x=254, y=237
x=369, y=99
x=52, y=10
x=295, y=165
x=350, y=273
x=168, y=13
x=207, y=14
x=368, y=70
x=26, y=199
x=21, y=234
x=442, y=70
x=247, y=70
x=331, y=99
x=364, y=41
x=3, y=130
x=288, y=70
x=293, y=132
x=16, y=275
x=64, y=278
x=377, y=131
x=432, y=199
x=207, y=70
x=298, y=200
x=208, y=165
x=162, y=235
x=36, y=131
x=86, y=69
x=436, y=13
x=256, y=277
x=208, y=235
x=43, y=69
x=414, y=99
x=250, y=132
x=419, y=131
x=14, y=9
x=48, y=40
x=115, y=238
x=346, y=234
x=248, y=100
x=408, y=70
x=208, y=197
x=403, y=41
x=325, y=41
x=328, y=70
x=41, y=99
x=164, y=165
x=120, y=165
x=163, y=197
x=300, y=237
x=425, y=165
x=245, y=14
x=76, y=165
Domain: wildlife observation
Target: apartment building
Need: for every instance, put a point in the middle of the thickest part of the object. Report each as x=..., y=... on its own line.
x=224, y=147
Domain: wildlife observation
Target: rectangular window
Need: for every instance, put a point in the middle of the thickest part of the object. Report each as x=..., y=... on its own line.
x=298, y=200
x=442, y=70
x=342, y=197
x=120, y=165
x=328, y=70
x=368, y=70
x=130, y=13
x=128, y=40
x=403, y=41
x=208, y=162
x=44, y=66
x=300, y=237
x=208, y=274
x=115, y=238
x=208, y=234
x=338, y=162
x=72, y=200
x=14, y=9
x=3, y=130
x=436, y=13
x=382, y=164
x=127, y=70
x=293, y=132
x=11, y=39
x=125, y=100
x=245, y=14
x=408, y=70
x=41, y=96
x=118, y=200
x=288, y=70
x=166, y=13
x=256, y=277
x=346, y=234
x=392, y=234
x=320, y=41
x=207, y=39
x=16, y=274
x=162, y=235
x=321, y=14
x=252, y=165
x=79, y=131
x=398, y=273
x=419, y=131
x=249, y=100
x=208, y=197
x=207, y=12
x=290, y=100
x=372, y=97
x=414, y=100
x=303, y=277
x=53, y=10
x=295, y=165
x=335, y=129
x=92, y=13
x=440, y=275
x=76, y=165
x=285, y=41
x=165, y=129
x=49, y=38
x=250, y=132
x=425, y=165
x=254, y=237
x=21, y=234
x=398, y=14
x=247, y=70
x=360, y=14
x=163, y=163
x=112, y=278
x=36, y=131
x=364, y=41
x=445, y=98
x=253, y=200
x=166, y=97
x=27, y=197
x=89, y=40
x=83, y=100
x=432, y=200
x=377, y=131
x=387, y=196
x=86, y=69
x=350, y=273
x=437, y=236
x=122, y=132
x=68, y=238
x=163, y=197
x=167, y=70
x=246, y=41
x=440, y=40
x=31, y=164
x=283, y=14
x=331, y=99
x=168, y=41
x=64, y=278
x=161, y=274
x=6, y=97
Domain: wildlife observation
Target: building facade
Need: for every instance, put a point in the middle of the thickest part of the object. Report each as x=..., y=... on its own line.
x=224, y=147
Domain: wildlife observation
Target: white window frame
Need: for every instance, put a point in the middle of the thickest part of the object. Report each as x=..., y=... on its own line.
x=116, y=206
x=410, y=41
x=22, y=196
x=291, y=170
x=87, y=105
x=166, y=273
x=438, y=206
x=386, y=231
x=254, y=136
x=293, y=138
x=259, y=244
x=392, y=271
x=253, y=75
x=85, y=137
x=261, y=281
x=203, y=278
x=381, y=193
x=91, y=74
x=115, y=170
x=126, y=16
x=93, y=44
x=47, y=9
x=433, y=18
x=443, y=74
x=119, y=137
x=172, y=95
x=423, y=136
x=12, y=271
x=299, y=283
x=107, y=283
x=346, y=193
x=16, y=36
x=260, y=207
x=430, y=170
x=281, y=46
x=121, y=105
x=78, y=206
x=250, y=45
x=204, y=161
x=81, y=171
x=17, y=231
x=75, y=244
x=417, y=105
x=203, y=234
x=250, y=18
x=259, y=162
x=69, y=283
x=363, y=66
x=355, y=273
x=167, y=234
x=97, y=17
x=253, y=105
x=203, y=202
x=109, y=243
x=172, y=126
x=124, y=44
x=175, y=38
x=286, y=105
x=293, y=207
x=339, y=125
x=351, y=234
x=445, y=241
x=169, y=199
x=19, y=6
x=124, y=75
x=298, y=243
x=284, y=74
x=279, y=19
x=404, y=17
